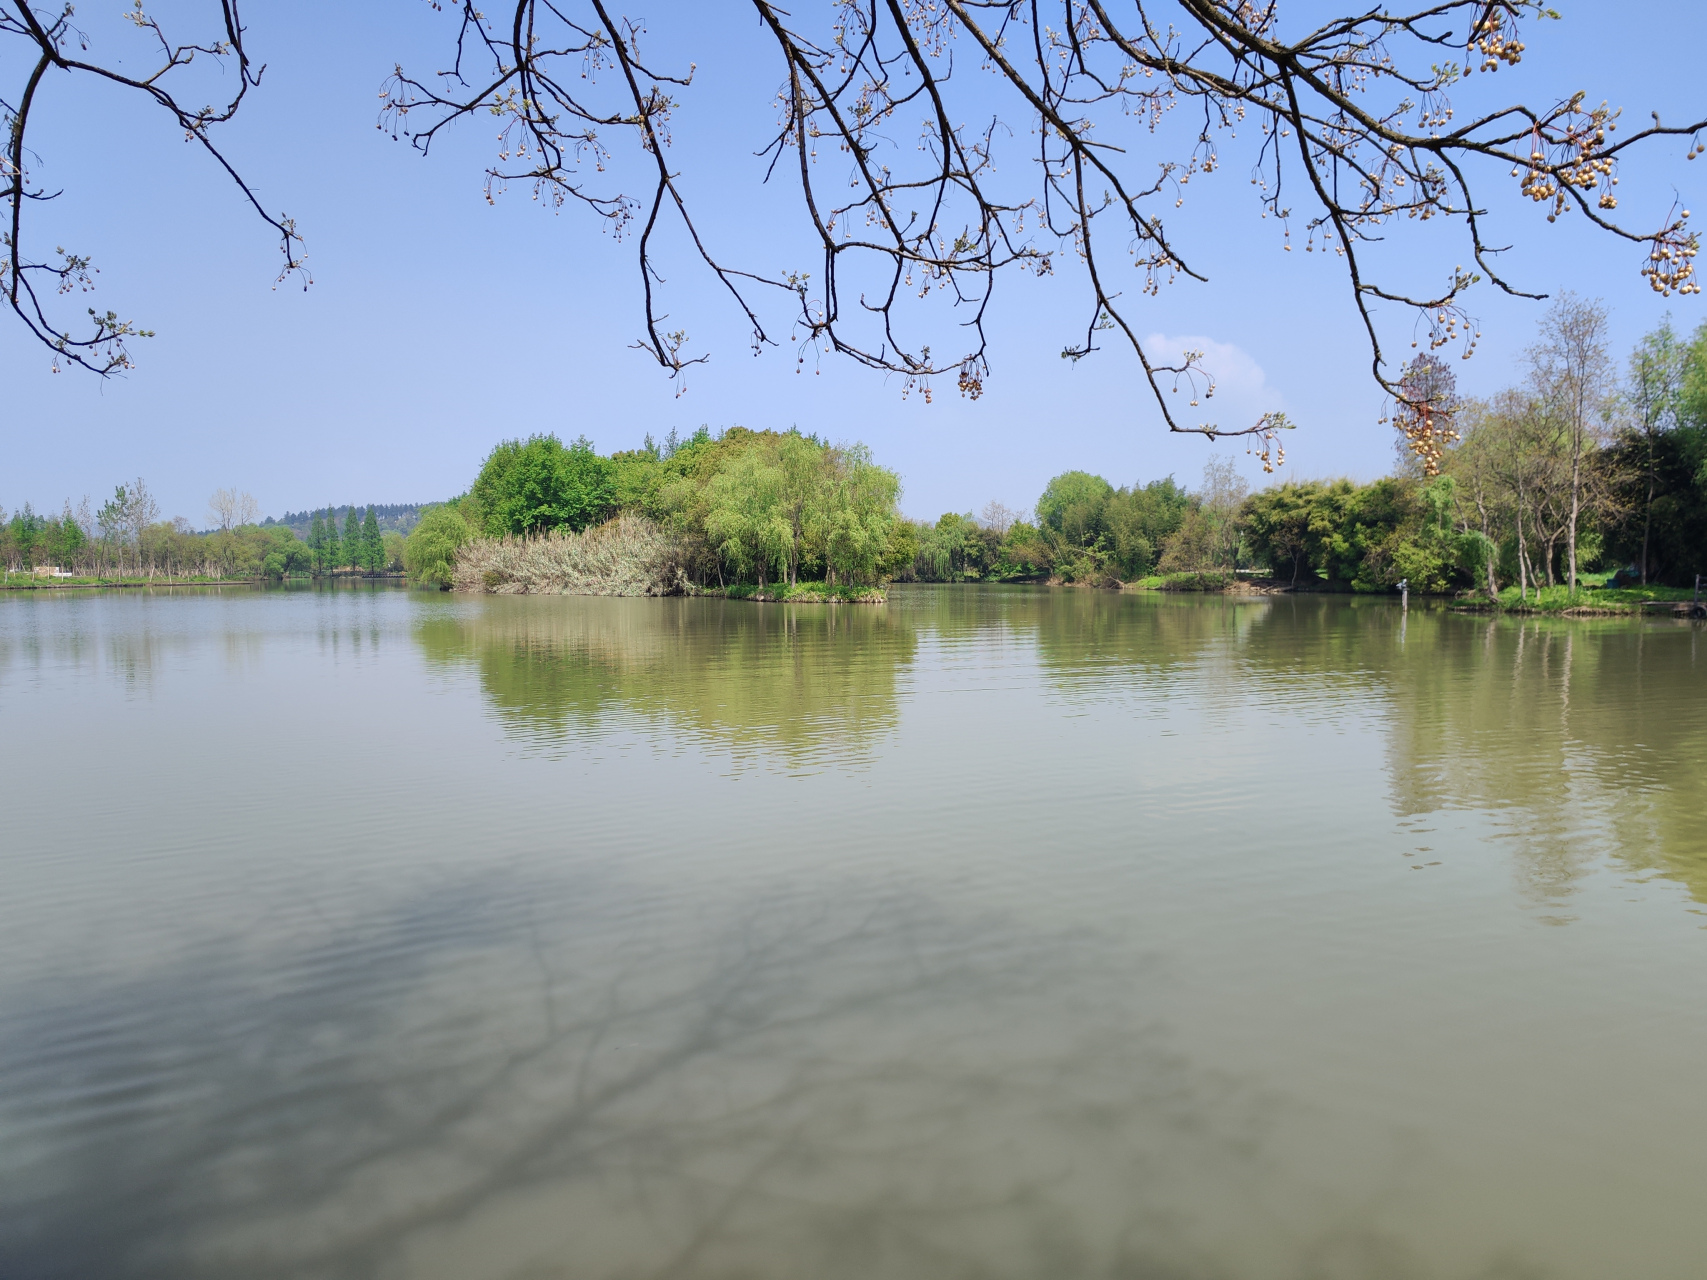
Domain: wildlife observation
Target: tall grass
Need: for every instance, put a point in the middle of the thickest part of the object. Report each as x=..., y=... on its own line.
x=627, y=556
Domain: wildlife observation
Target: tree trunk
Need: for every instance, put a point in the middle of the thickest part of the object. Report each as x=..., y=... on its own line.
x=1482, y=510
x=1522, y=556
x=1576, y=486
x=1648, y=520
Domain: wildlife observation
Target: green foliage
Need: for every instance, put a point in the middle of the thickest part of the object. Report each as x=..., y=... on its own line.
x=1282, y=529
x=1365, y=537
x=953, y=549
x=1097, y=533
x=1204, y=581
x=803, y=593
x=745, y=506
x=772, y=507
x=745, y=521
x=902, y=548
x=1657, y=465
x=373, y=549
x=429, y=554
x=1072, y=507
x=1612, y=600
x=286, y=555
x=528, y=486
x=1086, y=531
x=855, y=516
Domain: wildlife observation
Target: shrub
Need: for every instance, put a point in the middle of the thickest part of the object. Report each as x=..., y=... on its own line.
x=430, y=551
x=627, y=556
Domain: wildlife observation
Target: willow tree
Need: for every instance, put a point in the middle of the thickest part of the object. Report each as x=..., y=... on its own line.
x=941, y=145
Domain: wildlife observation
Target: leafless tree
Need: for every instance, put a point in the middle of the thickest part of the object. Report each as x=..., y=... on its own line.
x=1574, y=378
x=1223, y=492
x=1351, y=121
x=140, y=511
x=230, y=509
x=998, y=517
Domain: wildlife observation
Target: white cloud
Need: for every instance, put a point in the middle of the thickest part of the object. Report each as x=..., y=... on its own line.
x=1242, y=390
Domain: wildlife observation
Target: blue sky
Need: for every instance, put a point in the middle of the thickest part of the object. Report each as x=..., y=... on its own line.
x=439, y=324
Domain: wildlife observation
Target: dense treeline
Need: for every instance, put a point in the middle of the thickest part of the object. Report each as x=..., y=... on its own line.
x=126, y=538
x=1086, y=531
x=392, y=516
x=744, y=507
x=1573, y=472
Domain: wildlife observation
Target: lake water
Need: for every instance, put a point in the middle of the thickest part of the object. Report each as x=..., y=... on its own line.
x=991, y=933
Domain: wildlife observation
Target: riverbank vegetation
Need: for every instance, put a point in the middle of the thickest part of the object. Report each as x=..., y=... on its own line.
x=126, y=540
x=744, y=513
x=1576, y=488
x=1579, y=487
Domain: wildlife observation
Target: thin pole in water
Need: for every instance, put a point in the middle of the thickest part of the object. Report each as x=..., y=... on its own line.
x=1405, y=591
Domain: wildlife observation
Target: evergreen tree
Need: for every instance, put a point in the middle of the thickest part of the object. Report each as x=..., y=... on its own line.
x=373, y=548
x=355, y=550
x=317, y=543
x=334, y=549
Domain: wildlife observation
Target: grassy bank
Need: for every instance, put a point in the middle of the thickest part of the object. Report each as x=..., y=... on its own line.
x=1586, y=601
x=799, y=593
x=21, y=582
x=1184, y=582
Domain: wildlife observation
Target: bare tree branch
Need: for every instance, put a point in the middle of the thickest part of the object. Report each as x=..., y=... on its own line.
x=896, y=111
x=55, y=44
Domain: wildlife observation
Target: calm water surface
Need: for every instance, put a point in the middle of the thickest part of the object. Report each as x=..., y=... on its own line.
x=991, y=933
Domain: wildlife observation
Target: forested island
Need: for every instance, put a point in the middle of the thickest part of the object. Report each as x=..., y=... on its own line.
x=1576, y=488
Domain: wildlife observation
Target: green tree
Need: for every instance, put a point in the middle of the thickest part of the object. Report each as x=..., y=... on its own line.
x=1072, y=507
x=392, y=545
x=857, y=514
x=1658, y=367
x=114, y=520
x=1281, y=531
x=529, y=486
x=429, y=554
x=284, y=554
x=355, y=553
x=1138, y=520
x=746, y=520
x=332, y=550
x=373, y=550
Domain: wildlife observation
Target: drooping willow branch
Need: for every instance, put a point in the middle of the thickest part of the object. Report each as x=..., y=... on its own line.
x=52, y=46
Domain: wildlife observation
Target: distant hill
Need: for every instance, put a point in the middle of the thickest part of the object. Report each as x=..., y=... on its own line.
x=400, y=516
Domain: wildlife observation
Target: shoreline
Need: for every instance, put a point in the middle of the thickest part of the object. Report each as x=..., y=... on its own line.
x=42, y=584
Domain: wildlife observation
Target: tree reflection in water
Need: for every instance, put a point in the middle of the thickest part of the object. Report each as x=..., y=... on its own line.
x=1580, y=740
x=806, y=685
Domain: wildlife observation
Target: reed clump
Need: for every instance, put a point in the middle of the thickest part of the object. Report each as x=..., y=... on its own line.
x=626, y=556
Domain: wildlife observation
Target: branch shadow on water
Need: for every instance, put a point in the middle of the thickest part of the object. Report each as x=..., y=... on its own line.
x=520, y=1080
